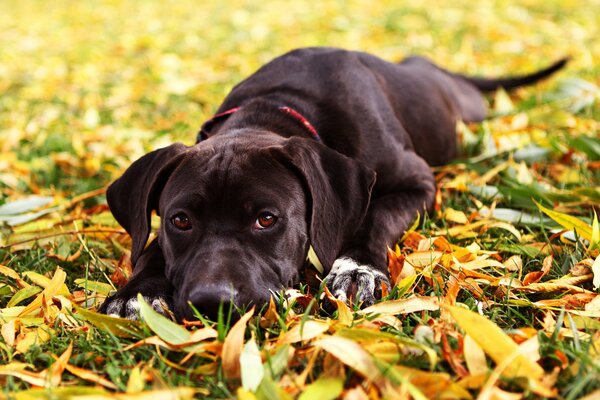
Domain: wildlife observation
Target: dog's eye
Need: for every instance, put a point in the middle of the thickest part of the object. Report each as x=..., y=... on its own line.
x=265, y=220
x=181, y=222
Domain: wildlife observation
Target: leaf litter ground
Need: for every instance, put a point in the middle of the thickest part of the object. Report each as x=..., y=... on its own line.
x=495, y=295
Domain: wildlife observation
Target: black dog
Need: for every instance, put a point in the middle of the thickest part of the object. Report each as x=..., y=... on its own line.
x=320, y=147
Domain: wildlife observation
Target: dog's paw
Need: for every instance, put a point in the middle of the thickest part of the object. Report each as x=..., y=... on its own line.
x=362, y=283
x=129, y=307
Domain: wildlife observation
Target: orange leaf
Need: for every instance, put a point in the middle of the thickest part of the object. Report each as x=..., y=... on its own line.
x=56, y=370
x=536, y=276
x=232, y=347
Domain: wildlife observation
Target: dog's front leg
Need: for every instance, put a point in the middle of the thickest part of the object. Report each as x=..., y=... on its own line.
x=148, y=279
x=361, y=270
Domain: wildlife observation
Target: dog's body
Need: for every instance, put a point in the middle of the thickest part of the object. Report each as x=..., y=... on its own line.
x=320, y=147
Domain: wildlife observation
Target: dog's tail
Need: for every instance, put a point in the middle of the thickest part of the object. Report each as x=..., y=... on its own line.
x=491, y=84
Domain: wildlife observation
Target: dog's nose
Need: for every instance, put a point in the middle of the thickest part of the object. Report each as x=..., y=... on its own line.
x=208, y=300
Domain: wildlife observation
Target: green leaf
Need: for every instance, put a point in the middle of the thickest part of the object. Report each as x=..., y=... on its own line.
x=323, y=389
x=568, y=222
x=164, y=328
x=94, y=286
x=23, y=294
x=117, y=326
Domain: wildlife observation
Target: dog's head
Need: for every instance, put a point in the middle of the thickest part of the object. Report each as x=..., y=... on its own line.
x=238, y=213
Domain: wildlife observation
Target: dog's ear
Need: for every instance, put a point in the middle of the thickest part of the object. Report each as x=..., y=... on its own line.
x=133, y=196
x=339, y=189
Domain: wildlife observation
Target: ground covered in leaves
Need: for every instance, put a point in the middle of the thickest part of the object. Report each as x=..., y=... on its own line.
x=495, y=295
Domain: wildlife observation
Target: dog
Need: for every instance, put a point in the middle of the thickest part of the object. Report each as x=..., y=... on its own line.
x=320, y=147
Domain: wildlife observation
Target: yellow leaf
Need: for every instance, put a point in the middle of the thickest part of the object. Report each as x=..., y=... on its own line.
x=507, y=227
x=243, y=394
x=345, y=316
x=568, y=222
x=16, y=370
x=135, y=383
x=423, y=258
x=502, y=102
x=474, y=357
x=4, y=270
x=52, y=288
x=452, y=215
x=56, y=370
x=403, y=306
x=479, y=263
x=44, y=282
x=9, y=332
x=36, y=336
x=323, y=389
x=350, y=353
x=499, y=347
x=90, y=376
x=232, y=347
x=314, y=260
x=304, y=331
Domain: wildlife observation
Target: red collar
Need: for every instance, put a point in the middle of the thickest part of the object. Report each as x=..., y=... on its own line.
x=207, y=126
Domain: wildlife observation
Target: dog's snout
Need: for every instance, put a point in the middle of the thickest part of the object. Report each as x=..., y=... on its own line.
x=208, y=299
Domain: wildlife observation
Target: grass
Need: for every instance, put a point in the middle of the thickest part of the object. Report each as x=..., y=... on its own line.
x=88, y=87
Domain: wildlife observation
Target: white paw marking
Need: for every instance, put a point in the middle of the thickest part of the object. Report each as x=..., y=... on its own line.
x=130, y=309
x=345, y=271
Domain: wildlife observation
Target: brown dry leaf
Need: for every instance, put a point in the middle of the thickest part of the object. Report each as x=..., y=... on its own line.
x=536, y=276
x=269, y=317
x=432, y=384
x=122, y=272
x=412, y=240
x=395, y=264
x=232, y=347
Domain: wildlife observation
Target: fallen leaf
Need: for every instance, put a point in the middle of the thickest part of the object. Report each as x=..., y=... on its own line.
x=304, y=331
x=323, y=389
x=500, y=348
x=350, y=353
x=166, y=329
x=403, y=306
x=251, y=367
x=232, y=347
